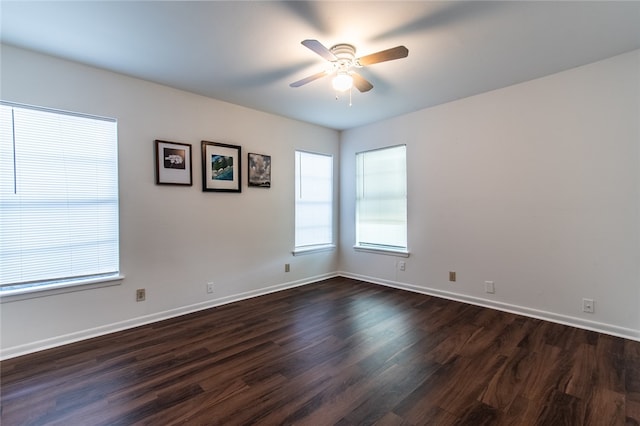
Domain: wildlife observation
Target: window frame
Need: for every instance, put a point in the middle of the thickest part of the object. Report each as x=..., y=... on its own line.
x=400, y=251
x=48, y=286
x=317, y=247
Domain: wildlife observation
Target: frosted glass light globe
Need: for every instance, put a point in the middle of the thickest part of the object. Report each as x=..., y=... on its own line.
x=342, y=82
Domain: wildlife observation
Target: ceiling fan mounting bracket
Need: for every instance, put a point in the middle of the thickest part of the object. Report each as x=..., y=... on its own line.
x=346, y=54
x=343, y=51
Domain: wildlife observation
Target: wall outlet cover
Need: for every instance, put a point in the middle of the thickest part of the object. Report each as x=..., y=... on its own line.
x=588, y=305
x=141, y=295
x=489, y=287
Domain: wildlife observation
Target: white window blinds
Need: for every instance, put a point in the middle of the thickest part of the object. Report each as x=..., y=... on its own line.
x=381, y=198
x=58, y=196
x=314, y=199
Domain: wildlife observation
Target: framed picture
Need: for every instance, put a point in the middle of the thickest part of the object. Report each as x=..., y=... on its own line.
x=260, y=170
x=173, y=163
x=221, y=167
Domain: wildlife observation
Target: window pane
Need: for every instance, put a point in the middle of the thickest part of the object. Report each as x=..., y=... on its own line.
x=59, y=193
x=314, y=199
x=381, y=199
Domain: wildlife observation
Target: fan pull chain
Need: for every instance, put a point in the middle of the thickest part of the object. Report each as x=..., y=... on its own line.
x=350, y=92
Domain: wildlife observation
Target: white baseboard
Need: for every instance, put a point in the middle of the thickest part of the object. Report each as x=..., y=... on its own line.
x=65, y=339
x=40, y=345
x=627, y=333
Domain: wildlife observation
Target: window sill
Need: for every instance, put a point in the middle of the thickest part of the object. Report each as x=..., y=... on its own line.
x=299, y=251
x=382, y=250
x=7, y=296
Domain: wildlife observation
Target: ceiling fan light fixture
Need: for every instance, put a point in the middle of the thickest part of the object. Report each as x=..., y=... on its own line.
x=342, y=82
x=342, y=59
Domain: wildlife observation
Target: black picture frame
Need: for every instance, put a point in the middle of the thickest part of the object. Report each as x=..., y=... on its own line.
x=173, y=163
x=221, y=167
x=259, y=170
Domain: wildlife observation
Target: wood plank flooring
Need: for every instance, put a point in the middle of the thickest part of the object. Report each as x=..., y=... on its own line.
x=338, y=352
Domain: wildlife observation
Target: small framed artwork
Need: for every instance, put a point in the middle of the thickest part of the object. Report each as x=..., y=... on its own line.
x=260, y=170
x=173, y=163
x=221, y=167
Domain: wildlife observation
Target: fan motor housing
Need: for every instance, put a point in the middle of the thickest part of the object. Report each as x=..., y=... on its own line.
x=346, y=54
x=344, y=51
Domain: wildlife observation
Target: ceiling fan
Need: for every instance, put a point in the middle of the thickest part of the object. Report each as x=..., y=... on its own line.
x=343, y=61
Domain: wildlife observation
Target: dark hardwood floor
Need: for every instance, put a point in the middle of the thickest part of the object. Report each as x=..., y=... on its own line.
x=338, y=352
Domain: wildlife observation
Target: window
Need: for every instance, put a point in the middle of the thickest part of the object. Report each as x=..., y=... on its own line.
x=58, y=199
x=381, y=200
x=314, y=202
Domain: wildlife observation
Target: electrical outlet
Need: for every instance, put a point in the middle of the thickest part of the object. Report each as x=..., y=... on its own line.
x=287, y=267
x=402, y=265
x=209, y=288
x=141, y=295
x=452, y=276
x=489, y=287
x=588, y=305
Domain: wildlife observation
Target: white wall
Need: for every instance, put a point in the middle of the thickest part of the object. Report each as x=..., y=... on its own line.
x=535, y=186
x=173, y=239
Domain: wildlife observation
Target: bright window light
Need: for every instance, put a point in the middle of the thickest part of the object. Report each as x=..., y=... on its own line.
x=58, y=197
x=313, y=200
x=381, y=199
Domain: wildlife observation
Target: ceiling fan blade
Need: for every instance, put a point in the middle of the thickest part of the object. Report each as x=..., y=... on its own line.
x=361, y=83
x=308, y=79
x=384, y=55
x=319, y=48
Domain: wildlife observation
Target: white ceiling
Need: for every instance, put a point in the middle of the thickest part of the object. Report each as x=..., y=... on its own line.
x=247, y=52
